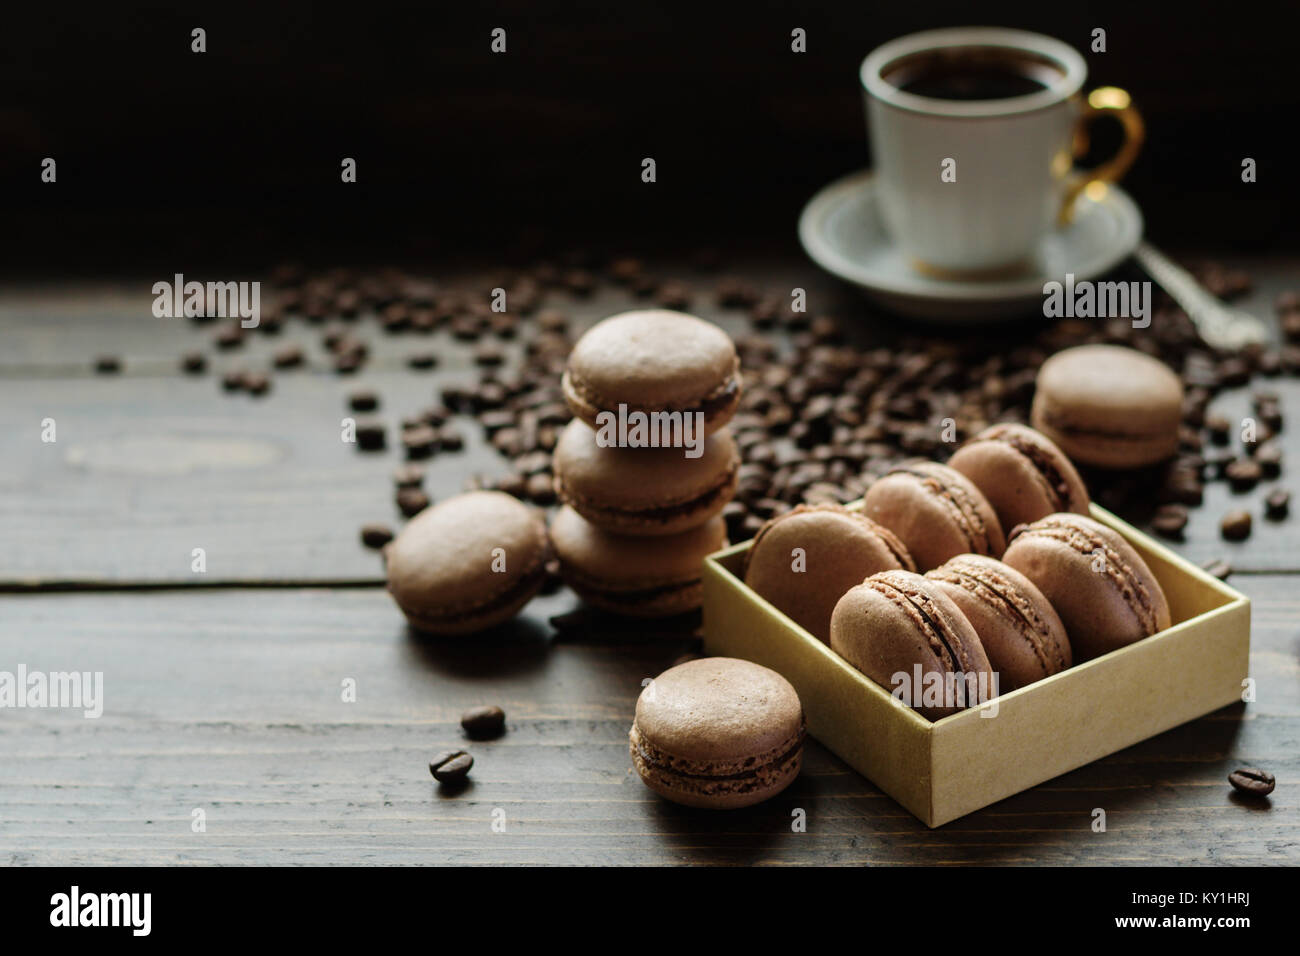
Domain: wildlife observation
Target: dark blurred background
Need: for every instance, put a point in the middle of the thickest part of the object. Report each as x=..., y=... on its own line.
x=234, y=155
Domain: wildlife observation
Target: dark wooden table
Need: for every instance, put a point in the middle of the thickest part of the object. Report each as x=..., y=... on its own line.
x=223, y=689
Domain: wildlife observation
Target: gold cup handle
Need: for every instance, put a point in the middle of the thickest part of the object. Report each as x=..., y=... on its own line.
x=1104, y=100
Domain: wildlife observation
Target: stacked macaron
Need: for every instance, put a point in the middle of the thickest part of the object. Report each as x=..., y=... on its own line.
x=1016, y=582
x=646, y=466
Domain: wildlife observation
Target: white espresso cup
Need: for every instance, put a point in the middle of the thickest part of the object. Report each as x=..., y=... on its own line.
x=974, y=131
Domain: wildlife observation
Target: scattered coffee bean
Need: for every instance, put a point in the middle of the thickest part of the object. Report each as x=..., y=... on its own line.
x=1278, y=504
x=451, y=440
x=376, y=535
x=420, y=441
x=409, y=475
x=108, y=364
x=541, y=489
x=363, y=401
x=1269, y=458
x=1235, y=525
x=1252, y=781
x=1244, y=474
x=1219, y=428
x=257, y=383
x=451, y=766
x=194, y=362
x=422, y=360
x=482, y=723
x=371, y=436
x=1218, y=568
x=290, y=356
x=489, y=355
x=1170, y=520
x=411, y=501
x=232, y=381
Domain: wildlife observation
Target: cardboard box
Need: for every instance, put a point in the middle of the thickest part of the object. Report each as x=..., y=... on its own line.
x=946, y=769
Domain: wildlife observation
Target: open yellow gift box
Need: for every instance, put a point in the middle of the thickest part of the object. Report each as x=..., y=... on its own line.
x=943, y=770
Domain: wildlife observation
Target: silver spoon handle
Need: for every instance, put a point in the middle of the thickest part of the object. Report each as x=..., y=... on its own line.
x=1221, y=326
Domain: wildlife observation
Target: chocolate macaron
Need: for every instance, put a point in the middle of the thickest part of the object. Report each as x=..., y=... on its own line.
x=907, y=635
x=1109, y=406
x=649, y=491
x=469, y=563
x=1022, y=473
x=803, y=561
x=718, y=733
x=654, y=361
x=636, y=576
x=936, y=511
x=1020, y=630
x=1103, y=591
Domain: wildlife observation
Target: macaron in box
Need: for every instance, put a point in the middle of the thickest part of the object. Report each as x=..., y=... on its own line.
x=1099, y=636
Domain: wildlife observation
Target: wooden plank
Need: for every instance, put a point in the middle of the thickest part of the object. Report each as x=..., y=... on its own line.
x=152, y=464
x=229, y=701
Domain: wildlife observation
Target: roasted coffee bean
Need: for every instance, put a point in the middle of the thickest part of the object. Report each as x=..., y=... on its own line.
x=348, y=362
x=420, y=441
x=1235, y=525
x=494, y=421
x=1217, y=567
x=541, y=489
x=579, y=282
x=371, y=436
x=451, y=439
x=482, y=723
x=1252, y=781
x=1170, y=520
x=1269, y=458
x=376, y=535
x=108, y=364
x=194, y=362
x=451, y=766
x=408, y=475
x=363, y=401
x=1243, y=474
x=489, y=355
x=1278, y=504
x=673, y=295
x=257, y=383
x=1219, y=427
x=422, y=360
x=734, y=293
x=552, y=320
x=411, y=501
x=230, y=337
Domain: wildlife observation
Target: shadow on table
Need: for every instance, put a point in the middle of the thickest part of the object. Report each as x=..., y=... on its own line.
x=519, y=646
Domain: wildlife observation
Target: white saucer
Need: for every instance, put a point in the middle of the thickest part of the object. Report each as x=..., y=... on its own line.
x=840, y=229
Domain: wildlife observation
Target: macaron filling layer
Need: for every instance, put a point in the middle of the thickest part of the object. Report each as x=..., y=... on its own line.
x=660, y=514
x=717, y=778
x=913, y=605
x=1120, y=574
x=715, y=402
x=1054, y=420
x=960, y=506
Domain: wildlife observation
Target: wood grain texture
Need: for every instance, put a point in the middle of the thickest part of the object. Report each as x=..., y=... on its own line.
x=230, y=701
x=151, y=464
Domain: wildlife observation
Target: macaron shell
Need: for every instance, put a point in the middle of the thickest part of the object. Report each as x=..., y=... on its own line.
x=1109, y=406
x=719, y=711
x=648, y=491
x=718, y=732
x=443, y=566
x=653, y=360
x=840, y=549
x=637, y=576
x=936, y=512
x=1022, y=473
x=1021, y=632
x=1104, y=592
x=896, y=620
